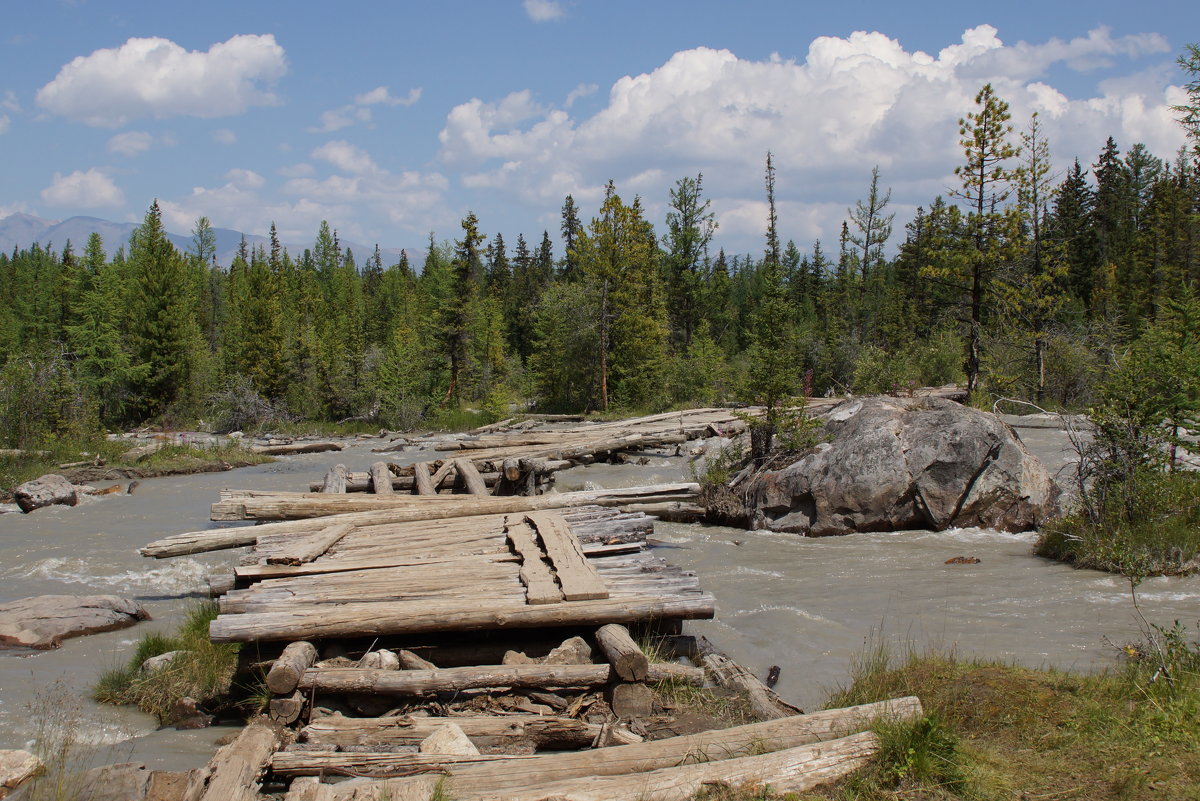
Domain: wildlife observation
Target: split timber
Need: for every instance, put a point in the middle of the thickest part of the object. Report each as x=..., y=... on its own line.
x=415, y=619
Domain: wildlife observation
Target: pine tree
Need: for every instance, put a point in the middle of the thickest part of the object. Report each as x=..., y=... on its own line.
x=871, y=230
x=690, y=228
x=985, y=178
x=163, y=333
x=571, y=228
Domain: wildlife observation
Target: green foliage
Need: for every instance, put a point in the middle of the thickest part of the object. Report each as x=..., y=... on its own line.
x=203, y=670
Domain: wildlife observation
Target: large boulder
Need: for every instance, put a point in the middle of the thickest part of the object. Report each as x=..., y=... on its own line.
x=45, y=621
x=48, y=490
x=901, y=463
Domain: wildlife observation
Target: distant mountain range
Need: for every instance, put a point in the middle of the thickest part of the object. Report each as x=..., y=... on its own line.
x=23, y=230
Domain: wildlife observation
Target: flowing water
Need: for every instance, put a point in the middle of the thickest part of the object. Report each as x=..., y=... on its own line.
x=807, y=605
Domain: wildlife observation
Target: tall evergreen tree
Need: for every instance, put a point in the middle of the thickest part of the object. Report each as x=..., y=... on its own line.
x=690, y=228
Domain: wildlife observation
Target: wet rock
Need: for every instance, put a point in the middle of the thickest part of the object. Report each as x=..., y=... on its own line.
x=963, y=560
x=15, y=768
x=48, y=490
x=46, y=620
x=900, y=463
x=187, y=714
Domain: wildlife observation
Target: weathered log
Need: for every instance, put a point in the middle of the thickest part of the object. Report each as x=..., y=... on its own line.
x=335, y=480
x=397, y=508
x=425, y=682
x=470, y=476
x=540, y=586
x=233, y=773
x=479, y=781
x=486, y=731
x=444, y=469
x=286, y=709
x=732, y=676
x=790, y=771
x=291, y=665
x=381, y=479
x=626, y=658
x=313, y=547
x=421, y=479
x=296, y=447
x=578, y=579
x=375, y=619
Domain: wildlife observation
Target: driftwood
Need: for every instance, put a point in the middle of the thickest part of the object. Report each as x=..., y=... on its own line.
x=425, y=682
x=377, y=619
x=470, y=476
x=288, y=669
x=627, y=659
x=485, y=731
x=335, y=480
x=381, y=479
x=421, y=480
x=732, y=676
x=233, y=773
x=295, y=506
x=296, y=447
x=790, y=771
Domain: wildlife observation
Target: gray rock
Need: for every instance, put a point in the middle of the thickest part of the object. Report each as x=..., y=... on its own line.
x=15, y=768
x=157, y=663
x=45, y=620
x=900, y=463
x=48, y=490
x=573, y=651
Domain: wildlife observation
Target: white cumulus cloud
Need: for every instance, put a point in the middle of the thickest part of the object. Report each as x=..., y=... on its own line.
x=345, y=156
x=90, y=189
x=381, y=94
x=544, y=10
x=851, y=103
x=155, y=77
x=360, y=110
x=131, y=143
x=224, y=136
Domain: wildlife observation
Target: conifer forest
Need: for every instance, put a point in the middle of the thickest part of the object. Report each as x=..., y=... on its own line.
x=1018, y=282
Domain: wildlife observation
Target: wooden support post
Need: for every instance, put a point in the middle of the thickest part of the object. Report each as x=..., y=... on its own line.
x=421, y=479
x=381, y=479
x=335, y=480
x=288, y=669
x=442, y=472
x=622, y=652
x=470, y=476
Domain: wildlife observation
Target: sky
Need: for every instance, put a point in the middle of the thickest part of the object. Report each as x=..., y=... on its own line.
x=392, y=120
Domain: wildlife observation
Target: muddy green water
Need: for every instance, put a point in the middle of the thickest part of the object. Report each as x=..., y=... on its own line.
x=807, y=605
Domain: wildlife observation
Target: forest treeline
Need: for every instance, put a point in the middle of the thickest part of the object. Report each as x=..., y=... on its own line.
x=1019, y=282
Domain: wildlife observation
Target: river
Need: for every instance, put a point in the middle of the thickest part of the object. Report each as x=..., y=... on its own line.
x=807, y=605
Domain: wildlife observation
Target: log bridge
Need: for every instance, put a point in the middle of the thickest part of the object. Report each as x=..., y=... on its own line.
x=487, y=645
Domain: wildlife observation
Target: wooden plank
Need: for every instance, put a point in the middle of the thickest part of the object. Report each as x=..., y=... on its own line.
x=312, y=547
x=540, y=587
x=579, y=580
x=258, y=572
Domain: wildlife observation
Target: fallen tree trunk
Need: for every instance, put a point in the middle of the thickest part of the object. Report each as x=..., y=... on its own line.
x=485, y=731
x=381, y=479
x=296, y=447
x=475, y=677
x=376, y=619
x=233, y=773
x=790, y=771
x=732, y=676
x=290, y=667
x=397, y=508
x=627, y=659
x=718, y=745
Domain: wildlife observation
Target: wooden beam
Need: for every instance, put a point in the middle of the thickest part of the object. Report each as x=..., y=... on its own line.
x=540, y=587
x=627, y=659
x=474, y=677
x=424, y=485
x=381, y=479
x=288, y=669
x=311, y=548
x=470, y=476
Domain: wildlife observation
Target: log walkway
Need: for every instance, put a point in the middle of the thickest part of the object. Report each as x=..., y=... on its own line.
x=426, y=641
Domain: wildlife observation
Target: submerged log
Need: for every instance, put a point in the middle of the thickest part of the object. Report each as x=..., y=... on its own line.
x=732, y=676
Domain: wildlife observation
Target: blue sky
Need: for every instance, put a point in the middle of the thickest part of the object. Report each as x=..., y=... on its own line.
x=391, y=120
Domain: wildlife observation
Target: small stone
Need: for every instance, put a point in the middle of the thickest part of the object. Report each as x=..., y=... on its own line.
x=448, y=739
x=574, y=651
x=381, y=660
x=516, y=658
x=156, y=663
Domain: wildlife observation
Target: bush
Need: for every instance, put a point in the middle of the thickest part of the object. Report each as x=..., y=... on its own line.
x=239, y=407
